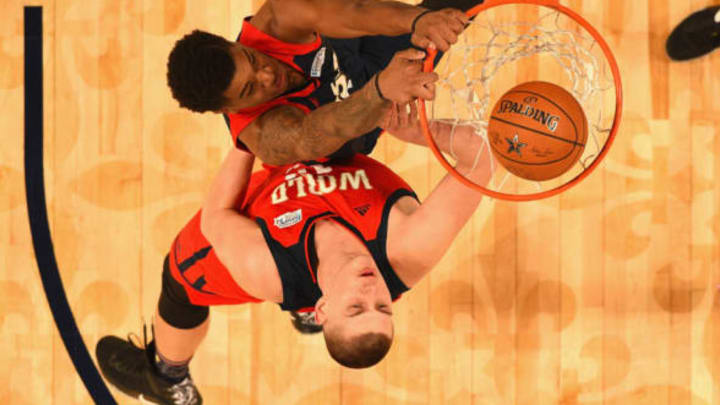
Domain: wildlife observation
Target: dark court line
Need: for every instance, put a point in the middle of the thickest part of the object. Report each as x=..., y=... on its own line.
x=37, y=212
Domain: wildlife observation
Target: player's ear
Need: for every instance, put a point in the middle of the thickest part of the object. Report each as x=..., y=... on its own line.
x=320, y=307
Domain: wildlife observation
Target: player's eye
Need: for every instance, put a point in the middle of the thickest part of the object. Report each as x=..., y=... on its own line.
x=250, y=57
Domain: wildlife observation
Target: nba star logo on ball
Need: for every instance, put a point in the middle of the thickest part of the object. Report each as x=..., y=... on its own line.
x=515, y=144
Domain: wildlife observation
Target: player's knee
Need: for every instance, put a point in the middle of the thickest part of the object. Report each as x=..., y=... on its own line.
x=174, y=306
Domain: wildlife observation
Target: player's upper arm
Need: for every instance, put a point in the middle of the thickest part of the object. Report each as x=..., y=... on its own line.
x=294, y=19
x=406, y=260
x=238, y=243
x=274, y=136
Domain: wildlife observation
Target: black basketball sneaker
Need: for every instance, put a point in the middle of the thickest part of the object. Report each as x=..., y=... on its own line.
x=131, y=369
x=695, y=36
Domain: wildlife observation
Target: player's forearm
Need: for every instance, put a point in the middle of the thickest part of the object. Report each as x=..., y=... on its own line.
x=366, y=17
x=227, y=191
x=326, y=129
x=285, y=135
x=288, y=136
x=432, y=227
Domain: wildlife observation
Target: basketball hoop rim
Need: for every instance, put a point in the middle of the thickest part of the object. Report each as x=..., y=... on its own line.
x=428, y=66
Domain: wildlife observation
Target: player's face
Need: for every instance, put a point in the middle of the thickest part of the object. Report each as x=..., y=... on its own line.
x=258, y=79
x=359, y=299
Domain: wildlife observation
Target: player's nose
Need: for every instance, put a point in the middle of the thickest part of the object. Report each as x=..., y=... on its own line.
x=266, y=76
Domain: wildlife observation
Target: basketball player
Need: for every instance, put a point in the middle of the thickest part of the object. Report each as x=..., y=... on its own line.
x=697, y=35
x=347, y=238
x=276, y=85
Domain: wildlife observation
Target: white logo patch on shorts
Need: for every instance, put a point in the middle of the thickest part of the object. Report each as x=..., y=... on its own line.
x=317, y=64
x=288, y=219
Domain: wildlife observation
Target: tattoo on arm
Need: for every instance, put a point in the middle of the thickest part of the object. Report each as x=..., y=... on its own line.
x=279, y=131
x=287, y=135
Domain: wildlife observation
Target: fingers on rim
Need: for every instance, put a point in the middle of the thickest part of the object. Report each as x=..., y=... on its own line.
x=457, y=26
x=449, y=35
x=442, y=45
x=403, y=116
x=425, y=93
x=412, y=53
x=413, y=109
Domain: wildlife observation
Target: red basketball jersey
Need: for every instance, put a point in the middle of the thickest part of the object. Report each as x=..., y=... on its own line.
x=286, y=202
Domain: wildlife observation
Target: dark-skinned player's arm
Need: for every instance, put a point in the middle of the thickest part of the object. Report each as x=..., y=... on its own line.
x=297, y=20
x=420, y=234
x=286, y=134
x=237, y=240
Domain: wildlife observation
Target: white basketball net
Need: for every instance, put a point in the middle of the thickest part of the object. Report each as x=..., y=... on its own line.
x=493, y=56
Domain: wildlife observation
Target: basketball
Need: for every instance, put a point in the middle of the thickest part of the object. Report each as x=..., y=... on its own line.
x=537, y=130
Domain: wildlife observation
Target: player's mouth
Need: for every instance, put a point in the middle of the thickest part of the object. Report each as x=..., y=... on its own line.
x=367, y=273
x=280, y=81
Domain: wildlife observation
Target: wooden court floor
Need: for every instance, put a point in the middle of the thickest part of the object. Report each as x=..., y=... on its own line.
x=607, y=294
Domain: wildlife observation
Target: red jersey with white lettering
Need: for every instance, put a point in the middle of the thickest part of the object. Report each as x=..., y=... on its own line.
x=286, y=202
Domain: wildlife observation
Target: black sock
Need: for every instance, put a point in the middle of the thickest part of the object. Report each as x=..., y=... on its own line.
x=172, y=371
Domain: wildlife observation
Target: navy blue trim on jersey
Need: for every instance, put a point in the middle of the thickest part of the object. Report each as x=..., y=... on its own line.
x=200, y=254
x=186, y=264
x=304, y=101
x=381, y=240
x=37, y=212
x=299, y=290
x=238, y=143
x=227, y=121
x=378, y=246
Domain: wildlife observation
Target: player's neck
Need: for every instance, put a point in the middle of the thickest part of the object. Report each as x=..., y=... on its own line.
x=335, y=246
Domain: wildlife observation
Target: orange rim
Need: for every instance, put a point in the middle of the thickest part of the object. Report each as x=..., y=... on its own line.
x=428, y=67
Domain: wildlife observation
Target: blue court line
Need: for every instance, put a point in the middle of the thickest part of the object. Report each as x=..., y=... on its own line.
x=37, y=212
